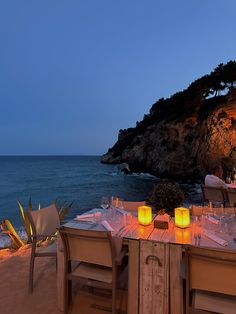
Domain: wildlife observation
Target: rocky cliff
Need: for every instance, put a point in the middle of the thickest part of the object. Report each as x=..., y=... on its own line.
x=184, y=135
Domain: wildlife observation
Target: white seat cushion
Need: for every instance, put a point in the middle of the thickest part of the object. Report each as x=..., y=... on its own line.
x=94, y=272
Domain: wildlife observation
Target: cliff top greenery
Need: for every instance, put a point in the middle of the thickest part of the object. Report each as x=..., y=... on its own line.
x=199, y=99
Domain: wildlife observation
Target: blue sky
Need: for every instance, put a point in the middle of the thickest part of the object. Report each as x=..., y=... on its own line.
x=72, y=73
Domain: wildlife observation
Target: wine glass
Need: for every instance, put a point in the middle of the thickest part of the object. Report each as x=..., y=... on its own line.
x=234, y=178
x=105, y=202
x=197, y=230
x=115, y=201
x=120, y=203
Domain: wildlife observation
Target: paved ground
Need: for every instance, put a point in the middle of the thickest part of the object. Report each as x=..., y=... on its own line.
x=14, y=297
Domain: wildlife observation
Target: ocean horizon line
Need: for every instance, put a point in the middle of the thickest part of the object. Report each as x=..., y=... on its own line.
x=50, y=155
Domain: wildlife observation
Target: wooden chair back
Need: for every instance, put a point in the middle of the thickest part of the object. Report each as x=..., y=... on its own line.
x=231, y=196
x=211, y=270
x=131, y=206
x=44, y=221
x=213, y=194
x=197, y=210
x=200, y=210
x=88, y=246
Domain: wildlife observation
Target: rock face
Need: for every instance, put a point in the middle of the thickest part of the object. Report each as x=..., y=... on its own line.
x=186, y=146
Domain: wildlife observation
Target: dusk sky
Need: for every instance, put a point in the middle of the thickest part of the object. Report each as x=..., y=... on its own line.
x=72, y=73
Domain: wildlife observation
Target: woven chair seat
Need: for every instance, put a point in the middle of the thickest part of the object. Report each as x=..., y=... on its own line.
x=94, y=272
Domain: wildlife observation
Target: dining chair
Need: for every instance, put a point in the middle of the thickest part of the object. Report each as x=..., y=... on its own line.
x=197, y=210
x=231, y=195
x=213, y=194
x=98, y=260
x=131, y=206
x=44, y=223
x=210, y=280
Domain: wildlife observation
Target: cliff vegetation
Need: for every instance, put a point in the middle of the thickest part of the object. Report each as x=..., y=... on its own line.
x=183, y=135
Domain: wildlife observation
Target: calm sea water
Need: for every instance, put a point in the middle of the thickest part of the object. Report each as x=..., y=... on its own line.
x=81, y=179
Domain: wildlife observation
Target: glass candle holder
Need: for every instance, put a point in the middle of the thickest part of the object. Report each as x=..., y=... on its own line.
x=145, y=215
x=182, y=217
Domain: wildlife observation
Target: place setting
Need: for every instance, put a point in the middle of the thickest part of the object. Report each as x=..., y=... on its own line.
x=110, y=217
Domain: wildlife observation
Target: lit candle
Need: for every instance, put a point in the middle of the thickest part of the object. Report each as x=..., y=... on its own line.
x=145, y=215
x=182, y=218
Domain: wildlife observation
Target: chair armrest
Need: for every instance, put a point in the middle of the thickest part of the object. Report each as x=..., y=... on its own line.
x=120, y=256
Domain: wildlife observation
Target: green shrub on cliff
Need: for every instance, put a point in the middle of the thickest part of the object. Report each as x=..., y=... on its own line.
x=200, y=99
x=167, y=196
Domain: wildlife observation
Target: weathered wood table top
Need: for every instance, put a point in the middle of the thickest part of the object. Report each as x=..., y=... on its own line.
x=135, y=231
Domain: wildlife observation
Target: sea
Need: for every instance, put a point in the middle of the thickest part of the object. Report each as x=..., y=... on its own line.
x=82, y=180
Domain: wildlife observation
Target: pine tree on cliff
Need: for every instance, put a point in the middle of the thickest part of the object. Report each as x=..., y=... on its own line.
x=198, y=101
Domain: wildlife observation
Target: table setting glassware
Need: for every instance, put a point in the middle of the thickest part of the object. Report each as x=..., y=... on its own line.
x=211, y=216
x=105, y=202
x=114, y=201
x=128, y=218
x=219, y=214
x=197, y=229
x=228, y=178
x=117, y=206
x=231, y=224
x=106, y=205
x=120, y=203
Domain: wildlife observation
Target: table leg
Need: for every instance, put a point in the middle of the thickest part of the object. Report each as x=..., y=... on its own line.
x=133, y=277
x=176, y=282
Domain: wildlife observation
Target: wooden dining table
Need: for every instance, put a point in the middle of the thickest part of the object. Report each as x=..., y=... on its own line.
x=155, y=272
x=231, y=185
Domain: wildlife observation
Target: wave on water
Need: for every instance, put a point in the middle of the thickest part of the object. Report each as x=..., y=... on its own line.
x=114, y=173
x=5, y=241
x=145, y=176
x=136, y=175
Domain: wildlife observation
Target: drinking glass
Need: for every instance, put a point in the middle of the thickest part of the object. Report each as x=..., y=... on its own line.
x=114, y=201
x=234, y=228
x=197, y=229
x=230, y=222
x=128, y=219
x=105, y=202
x=207, y=212
x=234, y=178
x=120, y=203
x=219, y=213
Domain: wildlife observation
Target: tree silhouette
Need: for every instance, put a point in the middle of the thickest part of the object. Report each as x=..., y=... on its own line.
x=200, y=98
